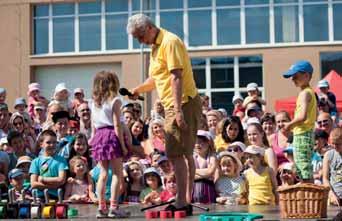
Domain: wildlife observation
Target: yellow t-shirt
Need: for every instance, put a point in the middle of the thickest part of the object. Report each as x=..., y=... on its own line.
x=169, y=53
x=309, y=123
x=259, y=188
x=220, y=144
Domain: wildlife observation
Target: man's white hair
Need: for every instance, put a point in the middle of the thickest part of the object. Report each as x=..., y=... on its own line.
x=138, y=22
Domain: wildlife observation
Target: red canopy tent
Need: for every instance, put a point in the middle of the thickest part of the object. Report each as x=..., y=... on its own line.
x=335, y=84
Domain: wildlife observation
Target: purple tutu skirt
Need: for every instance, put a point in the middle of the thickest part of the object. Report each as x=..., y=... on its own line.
x=105, y=145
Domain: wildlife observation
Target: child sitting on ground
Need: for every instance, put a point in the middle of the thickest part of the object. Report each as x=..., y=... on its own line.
x=170, y=190
x=287, y=174
x=229, y=185
x=151, y=193
x=16, y=179
x=134, y=181
x=48, y=171
x=79, y=188
x=261, y=180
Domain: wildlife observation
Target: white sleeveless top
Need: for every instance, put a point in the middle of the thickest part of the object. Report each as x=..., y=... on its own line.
x=102, y=116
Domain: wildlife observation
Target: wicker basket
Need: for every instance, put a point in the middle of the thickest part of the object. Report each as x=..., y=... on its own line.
x=303, y=201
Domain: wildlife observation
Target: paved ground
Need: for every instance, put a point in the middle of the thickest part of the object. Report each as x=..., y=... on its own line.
x=88, y=212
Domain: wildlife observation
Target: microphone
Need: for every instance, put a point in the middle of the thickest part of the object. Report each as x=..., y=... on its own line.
x=124, y=92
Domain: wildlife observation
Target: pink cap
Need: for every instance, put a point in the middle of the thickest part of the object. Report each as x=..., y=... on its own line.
x=33, y=87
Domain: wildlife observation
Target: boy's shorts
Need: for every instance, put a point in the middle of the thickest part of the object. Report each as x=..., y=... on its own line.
x=181, y=142
x=303, y=149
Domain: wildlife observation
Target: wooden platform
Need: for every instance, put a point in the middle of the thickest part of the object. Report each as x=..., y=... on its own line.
x=88, y=212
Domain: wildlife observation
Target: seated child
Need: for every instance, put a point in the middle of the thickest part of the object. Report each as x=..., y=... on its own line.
x=16, y=179
x=60, y=126
x=321, y=146
x=287, y=174
x=230, y=185
x=24, y=163
x=170, y=190
x=134, y=181
x=153, y=187
x=332, y=167
x=79, y=189
x=260, y=179
x=165, y=166
x=48, y=171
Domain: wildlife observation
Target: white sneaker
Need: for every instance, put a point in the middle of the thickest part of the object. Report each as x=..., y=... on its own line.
x=101, y=213
x=118, y=213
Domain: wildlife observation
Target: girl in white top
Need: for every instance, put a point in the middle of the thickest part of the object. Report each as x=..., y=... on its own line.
x=108, y=146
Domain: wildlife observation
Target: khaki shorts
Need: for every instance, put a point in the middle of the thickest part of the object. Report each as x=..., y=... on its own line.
x=182, y=142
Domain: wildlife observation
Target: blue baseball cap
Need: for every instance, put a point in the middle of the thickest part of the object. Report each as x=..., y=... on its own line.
x=299, y=66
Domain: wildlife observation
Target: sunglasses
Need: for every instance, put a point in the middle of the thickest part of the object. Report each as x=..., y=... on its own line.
x=234, y=149
x=85, y=110
x=287, y=172
x=322, y=122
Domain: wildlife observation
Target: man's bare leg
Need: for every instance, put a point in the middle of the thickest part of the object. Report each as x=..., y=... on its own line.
x=179, y=164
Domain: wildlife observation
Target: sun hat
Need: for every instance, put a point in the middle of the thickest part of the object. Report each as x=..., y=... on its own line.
x=2, y=90
x=3, y=141
x=229, y=154
x=39, y=106
x=20, y=101
x=78, y=90
x=255, y=150
x=23, y=159
x=237, y=97
x=61, y=87
x=239, y=144
x=33, y=87
x=323, y=83
x=203, y=133
x=162, y=159
x=253, y=120
x=300, y=66
x=252, y=86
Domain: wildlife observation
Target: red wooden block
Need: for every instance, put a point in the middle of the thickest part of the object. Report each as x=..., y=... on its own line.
x=180, y=214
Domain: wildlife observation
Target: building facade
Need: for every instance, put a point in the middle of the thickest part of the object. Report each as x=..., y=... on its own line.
x=231, y=43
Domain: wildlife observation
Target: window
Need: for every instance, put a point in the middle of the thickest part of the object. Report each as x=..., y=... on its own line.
x=172, y=21
x=331, y=61
x=257, y=25
x=41, y=36
x=316, y=22
x=337, y=10
x=286, y=23
x=116, y=36
x=228, y=32
x=199, y=28
x=221, y=77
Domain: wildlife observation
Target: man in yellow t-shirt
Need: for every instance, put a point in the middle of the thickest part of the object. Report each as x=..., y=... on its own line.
x=170, y=73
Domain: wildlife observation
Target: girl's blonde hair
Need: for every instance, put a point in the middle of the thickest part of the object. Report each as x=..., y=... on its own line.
x=336, y=135
x=105, y=86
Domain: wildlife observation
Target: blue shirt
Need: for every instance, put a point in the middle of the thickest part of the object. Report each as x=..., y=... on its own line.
x=48, y=167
